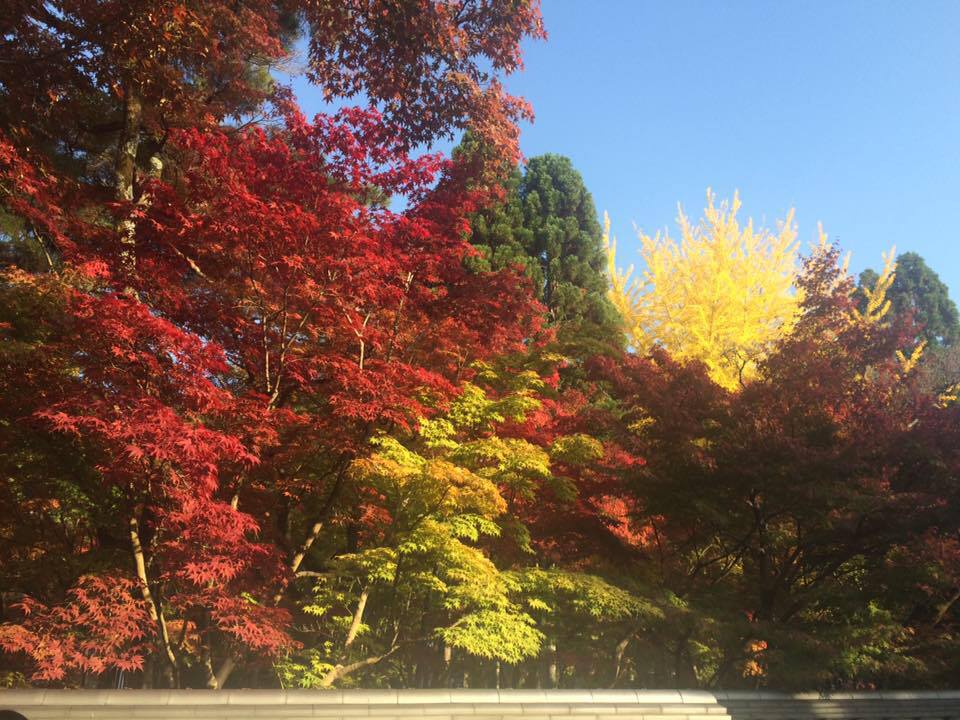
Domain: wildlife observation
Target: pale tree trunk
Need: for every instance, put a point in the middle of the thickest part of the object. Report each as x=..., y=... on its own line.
x=342, y=670
x=301, y=553
x=230, y=662
x=315, y=529
x=207, y=651
x=553, y=669
x=128, y=144
x=125, y=168
x=357, y=618
x=226, y=669
x=620, y=651
x=447, y=661
x=156, y=613
x=944, y=608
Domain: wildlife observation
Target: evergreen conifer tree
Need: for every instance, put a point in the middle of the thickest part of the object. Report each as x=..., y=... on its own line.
x=548, y=224
x=918, y=289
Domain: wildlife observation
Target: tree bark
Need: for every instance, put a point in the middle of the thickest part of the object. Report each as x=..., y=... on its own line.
x=315, y=529
x=341, y=671
x=125, y=167
x=156, y=613
x=226, y=669
x=553, y=672
x=357, y=618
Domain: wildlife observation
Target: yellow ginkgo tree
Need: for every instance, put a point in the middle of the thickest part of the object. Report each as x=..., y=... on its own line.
x=722, y=294
x=877, y=303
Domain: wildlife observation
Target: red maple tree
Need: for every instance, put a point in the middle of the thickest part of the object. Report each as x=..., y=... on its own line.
x=257, y=310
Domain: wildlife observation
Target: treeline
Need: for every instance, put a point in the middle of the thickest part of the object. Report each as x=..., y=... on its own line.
x=260, y=428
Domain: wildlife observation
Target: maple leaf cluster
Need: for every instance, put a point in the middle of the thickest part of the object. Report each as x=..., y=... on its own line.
x=104, y=626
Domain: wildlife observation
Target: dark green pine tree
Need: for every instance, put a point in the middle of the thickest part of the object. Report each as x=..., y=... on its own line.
x=917, y=289
x=548, y=224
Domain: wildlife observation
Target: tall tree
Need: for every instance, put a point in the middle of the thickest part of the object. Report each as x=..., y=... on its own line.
x=918, y=291
x=770, y=514
x=177, y=359
x=548, y=224
x=126, y=70
x=418, y=576
x=722, y=294
x=96, y=88
x=217, y=393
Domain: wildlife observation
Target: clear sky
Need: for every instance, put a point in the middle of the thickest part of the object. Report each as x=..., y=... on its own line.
x=847, y=111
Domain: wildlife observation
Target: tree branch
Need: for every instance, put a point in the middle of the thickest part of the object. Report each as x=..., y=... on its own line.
x=357, y=618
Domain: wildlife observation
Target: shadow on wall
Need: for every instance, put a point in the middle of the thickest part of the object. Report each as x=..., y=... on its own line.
x=11, y=715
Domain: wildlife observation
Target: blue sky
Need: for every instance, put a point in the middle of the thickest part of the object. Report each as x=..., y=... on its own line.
x=847, y=111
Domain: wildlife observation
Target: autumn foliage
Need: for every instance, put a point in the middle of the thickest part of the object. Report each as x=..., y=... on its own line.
x=280, y=407
x=722, y=294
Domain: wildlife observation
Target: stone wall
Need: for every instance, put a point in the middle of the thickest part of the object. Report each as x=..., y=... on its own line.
x=476, y=705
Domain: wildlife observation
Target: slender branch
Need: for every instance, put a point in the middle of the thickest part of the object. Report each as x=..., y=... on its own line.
x=396, y=317
x=43, y=248
x=315, y=529
x=285, y=345
x=341, y=671
x=191, y=262
x=943, y=609
x=313, y=574
x=359, y=333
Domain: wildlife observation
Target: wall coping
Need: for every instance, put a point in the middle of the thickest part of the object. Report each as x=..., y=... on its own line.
x=51, y=698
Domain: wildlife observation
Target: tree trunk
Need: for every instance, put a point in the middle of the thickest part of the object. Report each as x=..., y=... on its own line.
x=226, y=669
x=125, y=167
x=618, y=654
x=206, y=652
x=156, y=613
x=447, y=662
x=553, y=672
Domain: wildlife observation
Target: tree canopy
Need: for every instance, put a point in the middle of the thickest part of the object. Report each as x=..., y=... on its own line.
x=918, y=291
x=722, y=294
x=548, y=225
x=262, y=427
